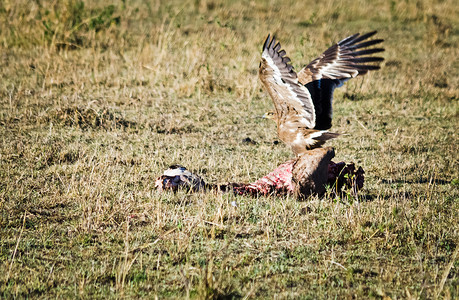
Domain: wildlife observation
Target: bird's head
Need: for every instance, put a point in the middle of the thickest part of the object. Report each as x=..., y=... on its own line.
x=270, y=115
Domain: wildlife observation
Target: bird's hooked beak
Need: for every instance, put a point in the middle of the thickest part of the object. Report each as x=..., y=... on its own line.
x=269, y=115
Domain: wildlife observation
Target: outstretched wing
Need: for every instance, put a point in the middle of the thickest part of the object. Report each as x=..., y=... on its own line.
x=332, y=68
x=343, y=60
x=292, y=101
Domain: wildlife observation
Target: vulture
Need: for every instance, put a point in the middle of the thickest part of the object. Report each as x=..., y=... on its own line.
x=303, y=100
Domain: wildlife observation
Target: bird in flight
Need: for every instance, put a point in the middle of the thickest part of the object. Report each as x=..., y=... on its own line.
x=303, y=101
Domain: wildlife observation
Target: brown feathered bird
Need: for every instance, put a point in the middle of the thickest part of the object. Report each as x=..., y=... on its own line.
x=303, y=101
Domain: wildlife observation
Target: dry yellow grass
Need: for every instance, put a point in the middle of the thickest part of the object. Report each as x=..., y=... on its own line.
x=97, y=100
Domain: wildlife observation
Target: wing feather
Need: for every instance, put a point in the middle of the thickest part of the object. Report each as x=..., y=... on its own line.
x=292, y=101
x=341, y=61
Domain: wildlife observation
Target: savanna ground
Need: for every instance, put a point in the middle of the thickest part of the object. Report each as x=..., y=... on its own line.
x=98, y=98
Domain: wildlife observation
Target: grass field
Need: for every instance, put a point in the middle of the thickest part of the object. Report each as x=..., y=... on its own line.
x=98, y=98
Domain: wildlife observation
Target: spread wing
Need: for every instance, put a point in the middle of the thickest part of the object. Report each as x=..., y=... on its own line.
x=292, y=101
x=343, y=60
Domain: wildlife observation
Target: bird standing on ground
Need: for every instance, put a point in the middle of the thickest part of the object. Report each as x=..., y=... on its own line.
x=303, y=101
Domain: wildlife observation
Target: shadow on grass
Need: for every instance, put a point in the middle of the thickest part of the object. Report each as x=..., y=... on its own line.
x=372, y=197
x=422, y=180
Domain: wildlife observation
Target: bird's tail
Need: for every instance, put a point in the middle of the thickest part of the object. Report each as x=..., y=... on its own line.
x=318, y=138
x=326, y=135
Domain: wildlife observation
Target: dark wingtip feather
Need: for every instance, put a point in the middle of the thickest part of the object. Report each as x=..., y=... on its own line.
x=356, y=38
x=364, y=36
x=274, y=48
x=273, y=42
x=266, y=43
x=367, y=59
x=366, y=44
x=277, y=47
x=366, y=68
x=367, y=51
x=349, y=38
